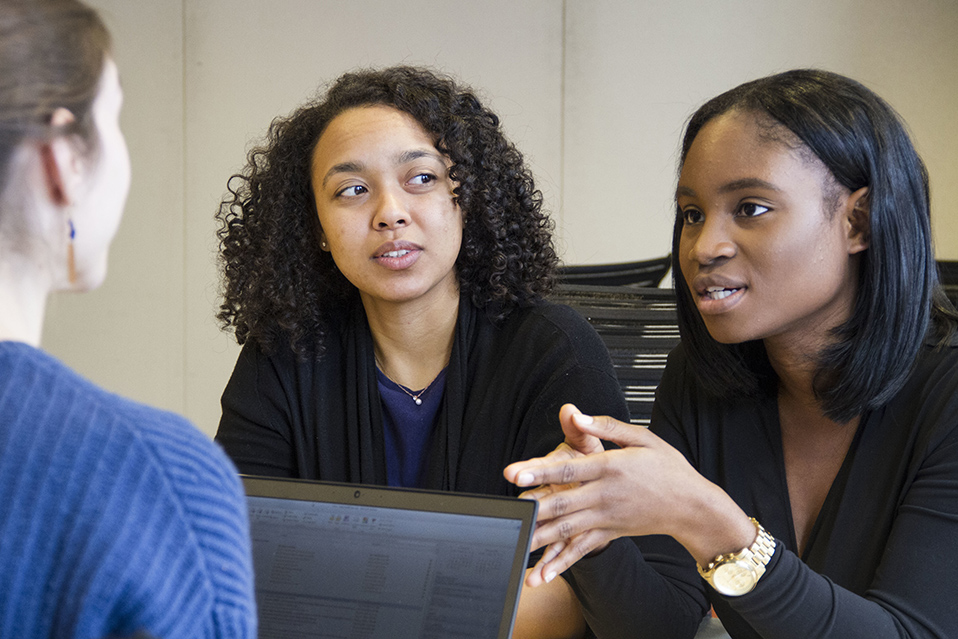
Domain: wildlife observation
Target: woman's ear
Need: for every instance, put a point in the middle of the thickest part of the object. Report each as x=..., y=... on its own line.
x=61, y=162
x=858, y=218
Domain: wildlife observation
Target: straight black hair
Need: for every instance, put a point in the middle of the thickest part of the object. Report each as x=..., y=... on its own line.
x=863, y=143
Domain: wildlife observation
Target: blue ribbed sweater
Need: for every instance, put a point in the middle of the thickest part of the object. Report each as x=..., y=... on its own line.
x=114, y=517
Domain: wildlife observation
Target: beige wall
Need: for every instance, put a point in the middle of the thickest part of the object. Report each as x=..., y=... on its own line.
x=595, y=93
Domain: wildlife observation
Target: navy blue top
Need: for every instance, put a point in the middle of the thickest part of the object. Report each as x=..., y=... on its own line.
x=407, y=427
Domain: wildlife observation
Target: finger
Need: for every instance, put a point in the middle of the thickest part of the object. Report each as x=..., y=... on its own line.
x=561, y=453
x=571, y=552
x=569, y=471
x=561, y=500
x=535, y=577
x=575, y=437
x=612, y=430
x=539, y=492
x=550, y=531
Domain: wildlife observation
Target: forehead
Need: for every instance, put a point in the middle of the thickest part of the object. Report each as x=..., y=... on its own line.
x=369, y=131
x=740, y=144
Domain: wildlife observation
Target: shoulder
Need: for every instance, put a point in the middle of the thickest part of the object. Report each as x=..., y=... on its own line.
x=281, y=372
x=43, y=382
x=930, y=396
x=558, y=325
x=147, y=486
x=677, y=377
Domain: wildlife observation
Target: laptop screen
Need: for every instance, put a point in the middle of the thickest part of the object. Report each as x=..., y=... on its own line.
x=344, y=560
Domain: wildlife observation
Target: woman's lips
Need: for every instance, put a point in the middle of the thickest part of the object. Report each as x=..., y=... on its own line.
x=719, y=292
x=718, y=299
x=397, y=256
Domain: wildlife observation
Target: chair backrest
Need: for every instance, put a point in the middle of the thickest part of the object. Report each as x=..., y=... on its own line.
x=645, y=274
x=948, y=274
x=638, y=326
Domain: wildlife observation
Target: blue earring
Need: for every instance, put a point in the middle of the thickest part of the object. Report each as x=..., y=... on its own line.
x=71, y=261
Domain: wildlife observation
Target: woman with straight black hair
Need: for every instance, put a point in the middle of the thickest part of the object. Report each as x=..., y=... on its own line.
x=801, y=472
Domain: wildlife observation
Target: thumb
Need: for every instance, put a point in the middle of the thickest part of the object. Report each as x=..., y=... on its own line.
x=610, y=429
x=576, y=438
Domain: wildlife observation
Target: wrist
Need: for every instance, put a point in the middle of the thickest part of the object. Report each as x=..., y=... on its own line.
x=736, y=574
x=715, y=526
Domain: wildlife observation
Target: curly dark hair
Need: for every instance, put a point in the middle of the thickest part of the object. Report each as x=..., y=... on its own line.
x=278, y=286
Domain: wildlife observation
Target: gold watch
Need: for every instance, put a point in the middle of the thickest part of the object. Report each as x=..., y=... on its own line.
x=735, y=574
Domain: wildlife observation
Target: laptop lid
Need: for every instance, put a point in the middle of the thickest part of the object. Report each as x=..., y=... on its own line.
x=351, y=560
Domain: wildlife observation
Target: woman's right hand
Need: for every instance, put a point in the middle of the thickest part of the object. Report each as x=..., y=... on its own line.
x=588, y=497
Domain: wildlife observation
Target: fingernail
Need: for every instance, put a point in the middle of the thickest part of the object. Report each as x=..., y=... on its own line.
x=525, y=479
x=550, y=576
x=581, y=419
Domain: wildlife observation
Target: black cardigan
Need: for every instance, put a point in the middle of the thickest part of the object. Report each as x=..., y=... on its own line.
x=882, y=559
x=321, y=418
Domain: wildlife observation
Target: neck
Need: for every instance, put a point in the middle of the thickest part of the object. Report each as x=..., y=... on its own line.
x=23, y=299
x=795, y=369
x=413, y=340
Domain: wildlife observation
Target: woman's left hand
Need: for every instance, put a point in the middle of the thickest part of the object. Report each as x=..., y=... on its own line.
x=588, y=499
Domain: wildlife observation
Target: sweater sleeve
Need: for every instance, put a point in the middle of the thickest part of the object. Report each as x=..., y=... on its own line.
x=578, y=370
x=211, y=549
x=255, y=429
x=117, y=518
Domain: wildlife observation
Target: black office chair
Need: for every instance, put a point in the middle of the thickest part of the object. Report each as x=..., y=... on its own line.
x=638, y=326
x=948, y=274
x=646, y=274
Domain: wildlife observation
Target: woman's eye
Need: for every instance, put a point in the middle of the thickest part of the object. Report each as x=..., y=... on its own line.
x=692, y=216
x=750, y=209
x=352, y=191
x=422, y=179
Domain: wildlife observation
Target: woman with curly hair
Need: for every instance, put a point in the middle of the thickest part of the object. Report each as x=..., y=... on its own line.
x=385, y=260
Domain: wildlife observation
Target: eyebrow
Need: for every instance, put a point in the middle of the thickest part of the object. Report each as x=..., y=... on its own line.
x=342, y=167
x=358, y=167
x=731, y=187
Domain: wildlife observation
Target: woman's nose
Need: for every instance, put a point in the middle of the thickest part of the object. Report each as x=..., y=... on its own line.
x=710, y=241
x=390, y=211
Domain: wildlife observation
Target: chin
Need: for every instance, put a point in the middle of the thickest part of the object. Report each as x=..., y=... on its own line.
x=728, y=333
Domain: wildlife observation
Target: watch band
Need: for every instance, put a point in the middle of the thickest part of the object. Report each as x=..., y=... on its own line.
x=735, y=574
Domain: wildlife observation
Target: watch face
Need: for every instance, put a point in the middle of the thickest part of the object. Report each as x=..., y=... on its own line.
x=734, y=579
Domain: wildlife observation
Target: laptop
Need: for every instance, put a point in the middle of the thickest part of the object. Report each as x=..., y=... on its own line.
x=358, y=561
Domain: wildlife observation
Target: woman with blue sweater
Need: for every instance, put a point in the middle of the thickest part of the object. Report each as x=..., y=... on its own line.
x=116, y=518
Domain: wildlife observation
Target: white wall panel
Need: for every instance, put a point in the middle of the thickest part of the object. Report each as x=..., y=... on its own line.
x=636, y=70
x=128, y=335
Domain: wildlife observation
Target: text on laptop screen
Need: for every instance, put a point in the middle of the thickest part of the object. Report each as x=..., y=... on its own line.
x=340, y=570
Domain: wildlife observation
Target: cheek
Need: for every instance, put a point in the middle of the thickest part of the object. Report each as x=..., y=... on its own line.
x=452, y=225
x=685, y=262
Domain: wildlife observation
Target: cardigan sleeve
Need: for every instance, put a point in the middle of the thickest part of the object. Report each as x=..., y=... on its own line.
x=255, y=429
x=654, y=591
x=913, y=592
x=643, y=587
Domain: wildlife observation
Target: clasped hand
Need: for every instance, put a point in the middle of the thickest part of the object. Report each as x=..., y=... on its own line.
x=589, y=496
